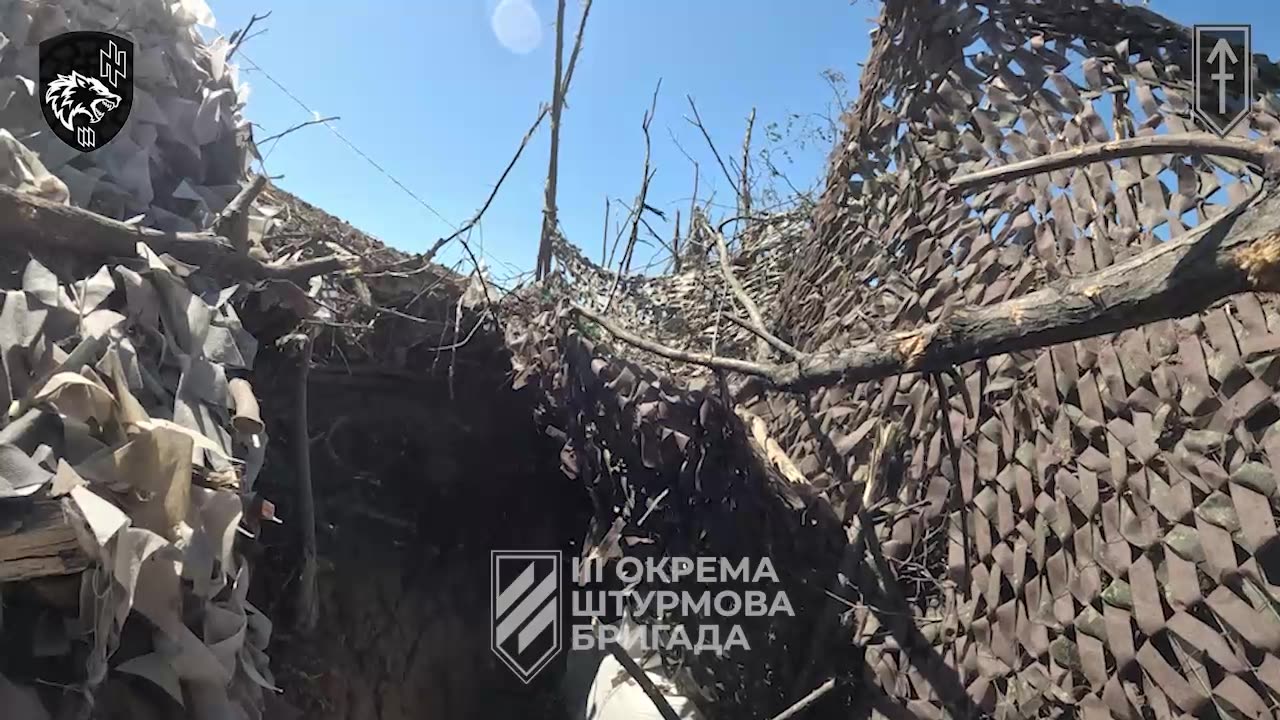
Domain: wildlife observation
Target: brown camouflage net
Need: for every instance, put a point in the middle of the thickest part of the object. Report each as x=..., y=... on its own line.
x=1111, y=536
x=681, y=309
x=1087, y=530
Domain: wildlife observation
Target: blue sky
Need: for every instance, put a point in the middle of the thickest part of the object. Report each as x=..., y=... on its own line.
x=427, y=90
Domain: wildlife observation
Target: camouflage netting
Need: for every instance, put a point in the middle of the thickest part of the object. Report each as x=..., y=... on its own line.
x=185, y=150
x=1087, y=529
x=681, y=308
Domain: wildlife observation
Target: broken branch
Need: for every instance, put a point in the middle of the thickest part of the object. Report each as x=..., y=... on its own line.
x=731, y=364
x=604, y=242
x=806, y=701
x=549, y=200
x=1183, y=144
x=675, y=245
x=778, y=343
x=39, y=224
x=238, y=39
x=1235, y=253
x=697, y=121
x=239, y=204
x=638, y=210
x=466, y=227
x=577, y=48
x=558, y=92
x=744, y=195
x=233, y=221
x=753, y=311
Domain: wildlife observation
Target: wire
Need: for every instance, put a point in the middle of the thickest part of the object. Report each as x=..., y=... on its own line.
x=347, y=142
x=298, y=101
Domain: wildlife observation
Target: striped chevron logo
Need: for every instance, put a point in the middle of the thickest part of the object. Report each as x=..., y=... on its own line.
x=525, y=609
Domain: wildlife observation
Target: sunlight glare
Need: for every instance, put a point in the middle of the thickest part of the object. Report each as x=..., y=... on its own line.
x=517, y=26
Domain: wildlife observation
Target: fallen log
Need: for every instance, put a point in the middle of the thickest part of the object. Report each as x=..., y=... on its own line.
x=39, y=224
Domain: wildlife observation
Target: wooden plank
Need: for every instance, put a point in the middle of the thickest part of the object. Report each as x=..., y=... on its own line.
x=37, y=540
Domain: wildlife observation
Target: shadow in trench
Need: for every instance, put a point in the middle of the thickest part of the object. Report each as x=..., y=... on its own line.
x=413, y=491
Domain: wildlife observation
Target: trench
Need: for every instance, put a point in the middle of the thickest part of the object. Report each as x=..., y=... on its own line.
x=416, y=479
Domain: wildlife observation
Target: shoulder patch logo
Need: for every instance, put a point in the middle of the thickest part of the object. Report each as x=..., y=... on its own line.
x=86, y=87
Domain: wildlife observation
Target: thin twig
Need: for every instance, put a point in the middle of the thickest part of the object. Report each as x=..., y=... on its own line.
x=778, y=343
x=806, y=701
x=455, y=345
x=740, y=292
x=249, y=37
x=604, y=242
x=652, y=233
x=299, y=126
x=697, y=121
x=737, y=218
x=700, y=252
x=652, y=505
x=744, y=195
x=240, y=37
x=711, y=361
x=468, y=225
x=1183, y=144
x=573, y=56
x=675, y=245
x=638, y=209
x=619, y=229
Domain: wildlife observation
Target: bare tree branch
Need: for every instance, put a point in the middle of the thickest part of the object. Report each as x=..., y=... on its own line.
x=238, y=39
x=39, y=224
x=468, y=225
x=778, y=343
x=604, y=242
x=559, y=90
x=553, y=164
x=675, y=245
x=731, y=364
x=1237, y=252
x=577, y=48
x=806, y=701
x=640, y=199
x=744, y=194
x=233, y=221
x=697, y=121
x=740, y=292
x=1184, y=144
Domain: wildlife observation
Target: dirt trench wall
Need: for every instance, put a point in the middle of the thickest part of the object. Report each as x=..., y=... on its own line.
x=414, y=488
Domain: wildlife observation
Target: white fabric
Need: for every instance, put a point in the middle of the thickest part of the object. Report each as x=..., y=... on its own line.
x=615, y=695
